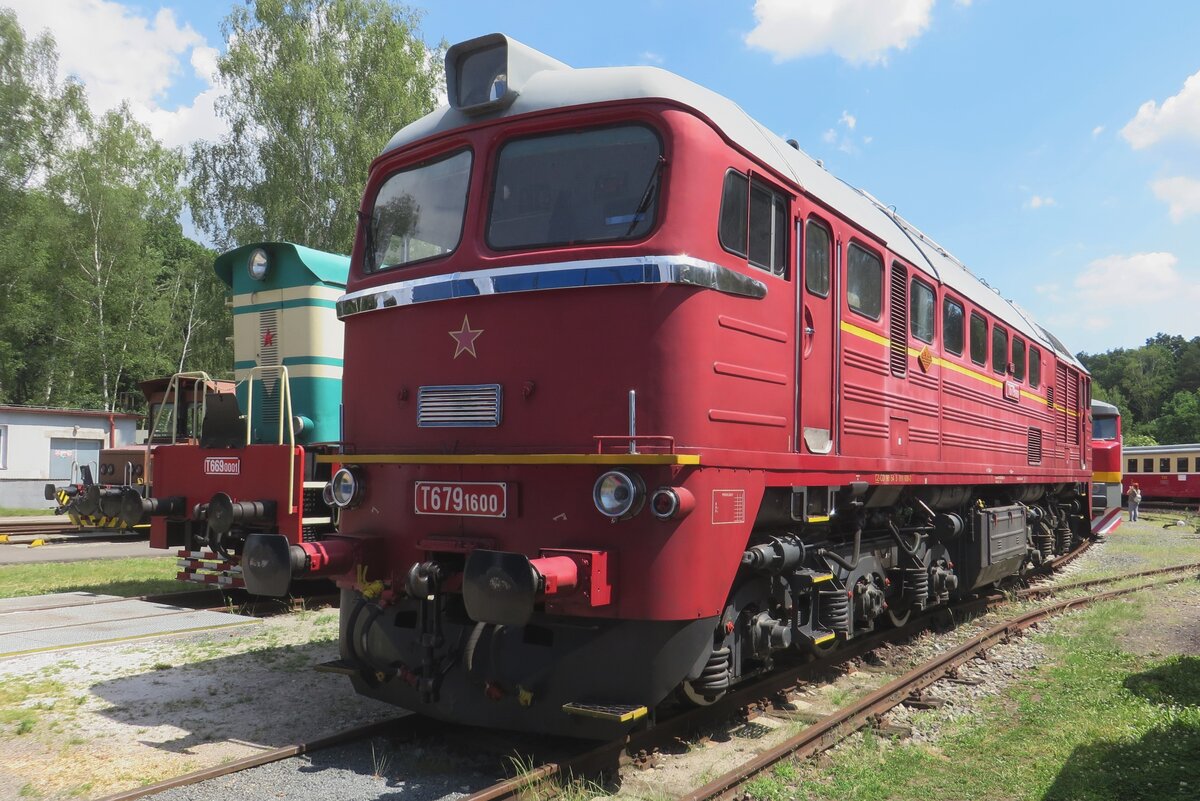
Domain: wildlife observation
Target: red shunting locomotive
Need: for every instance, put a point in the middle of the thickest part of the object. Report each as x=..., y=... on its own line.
x=640, y=400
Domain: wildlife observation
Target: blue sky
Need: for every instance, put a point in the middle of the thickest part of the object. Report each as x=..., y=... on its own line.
x=1054, y=147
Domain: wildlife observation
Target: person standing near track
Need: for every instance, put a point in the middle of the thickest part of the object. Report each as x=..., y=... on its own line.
x=1135, y=500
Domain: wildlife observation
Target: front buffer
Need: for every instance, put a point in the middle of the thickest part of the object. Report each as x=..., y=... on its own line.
x=588, y=678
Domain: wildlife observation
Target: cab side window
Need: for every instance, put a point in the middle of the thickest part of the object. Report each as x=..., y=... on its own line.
x=816, y=258
x=978, y=339
x=921, y=301
x=999, y=350
x=753, y=222
x=952, y=326
x=864, y=281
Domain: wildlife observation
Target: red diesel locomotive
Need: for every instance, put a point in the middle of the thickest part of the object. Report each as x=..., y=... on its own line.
x=639, y=400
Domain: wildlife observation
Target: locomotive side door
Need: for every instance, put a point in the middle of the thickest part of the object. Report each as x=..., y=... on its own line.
x=816, y=334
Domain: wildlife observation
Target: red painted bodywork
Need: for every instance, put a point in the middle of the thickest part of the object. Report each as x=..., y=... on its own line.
x=262, y=475
x=723, y=375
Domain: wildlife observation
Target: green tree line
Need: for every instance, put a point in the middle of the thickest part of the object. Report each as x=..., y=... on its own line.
x=1156, y=387
x=100, y=289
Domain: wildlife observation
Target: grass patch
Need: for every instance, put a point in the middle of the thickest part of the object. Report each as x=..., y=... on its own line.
x=1093, y=724
x=124, y=577
x=22, y=701
x=7, y=512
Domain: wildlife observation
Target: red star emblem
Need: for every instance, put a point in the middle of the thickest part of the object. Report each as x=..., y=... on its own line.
x=465, y=338
x=268, y=339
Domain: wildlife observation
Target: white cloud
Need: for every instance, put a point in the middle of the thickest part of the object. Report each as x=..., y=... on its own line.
x=1177, y=118
x=859, y=31
x=1121, y=300
x=848, y=120
x=121, y=55
x=1037, y=202
x=1099, y=129
x=830, y=136
x=1182, y=194
x=649, y=57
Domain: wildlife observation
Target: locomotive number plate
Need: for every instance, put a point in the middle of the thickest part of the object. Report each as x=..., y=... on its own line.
x=465, y=498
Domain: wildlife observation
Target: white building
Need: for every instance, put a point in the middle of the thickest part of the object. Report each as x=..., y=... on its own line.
x=43, y=446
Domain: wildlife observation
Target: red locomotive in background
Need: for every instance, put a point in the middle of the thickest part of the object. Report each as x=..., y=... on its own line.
x=639, y=399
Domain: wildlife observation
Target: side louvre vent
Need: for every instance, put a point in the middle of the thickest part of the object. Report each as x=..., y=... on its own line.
x=1034, y=446
x=899, y=321
x=462, y=406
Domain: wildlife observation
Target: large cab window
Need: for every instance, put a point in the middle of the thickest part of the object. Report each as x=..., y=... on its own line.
x=597, y=185
x=418, y=212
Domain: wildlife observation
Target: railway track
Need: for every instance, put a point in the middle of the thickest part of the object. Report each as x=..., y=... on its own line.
x=37, y=526
x=544, y=779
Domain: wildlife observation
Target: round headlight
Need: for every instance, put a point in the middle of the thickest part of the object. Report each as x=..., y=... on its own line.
x=619, y=494
x=258, y=264
x=345, y=488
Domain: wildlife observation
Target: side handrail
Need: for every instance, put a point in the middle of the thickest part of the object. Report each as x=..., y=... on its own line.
x=285, y=414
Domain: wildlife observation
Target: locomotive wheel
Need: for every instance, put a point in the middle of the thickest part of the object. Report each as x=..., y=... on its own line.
x=897, y=618
x=690, y=696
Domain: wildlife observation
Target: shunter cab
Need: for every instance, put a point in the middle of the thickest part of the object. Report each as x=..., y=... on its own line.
x=254, y=466
x=639, y=399
x=123, y=473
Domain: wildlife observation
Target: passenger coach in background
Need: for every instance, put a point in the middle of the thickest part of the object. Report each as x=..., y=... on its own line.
x=640, y=399
x=1164, y=472
x=254, y=468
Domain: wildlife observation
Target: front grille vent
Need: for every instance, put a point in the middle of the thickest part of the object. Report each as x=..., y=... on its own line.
x=462, y=406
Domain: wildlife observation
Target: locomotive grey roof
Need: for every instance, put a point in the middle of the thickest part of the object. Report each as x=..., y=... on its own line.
x=558, y=86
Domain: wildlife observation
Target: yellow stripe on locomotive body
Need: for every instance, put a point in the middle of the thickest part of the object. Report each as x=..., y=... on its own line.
x=1107, y=477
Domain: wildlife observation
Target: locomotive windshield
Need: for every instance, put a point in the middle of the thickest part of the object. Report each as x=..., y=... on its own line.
x=418, y=212
x=584, y=186
x=1104, y=428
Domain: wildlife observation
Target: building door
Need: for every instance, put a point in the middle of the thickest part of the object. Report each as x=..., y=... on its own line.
x=69, y=456
x=817, y=323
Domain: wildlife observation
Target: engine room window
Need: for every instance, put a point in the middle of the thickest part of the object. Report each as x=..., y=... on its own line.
x=598, y=185
x=1018, y=358
x=864, y=281
x=952, y=326
x=999, y=350
x=418, y=213
x=1035, y=366
x=753, y=222
x=921, y=301
x=978, y=339
x=816, y=259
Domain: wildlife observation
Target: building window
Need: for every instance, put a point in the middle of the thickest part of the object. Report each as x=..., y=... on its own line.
x=952, y=326
x=921, y=299
x=753, y=222
x=1035, y=367
x=978, y=339
x=816, y=259
x=864, y=282
x=1132, y=465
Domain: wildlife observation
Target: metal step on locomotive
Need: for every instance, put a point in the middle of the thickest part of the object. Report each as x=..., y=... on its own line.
x=639, y=400
x=253, y=467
